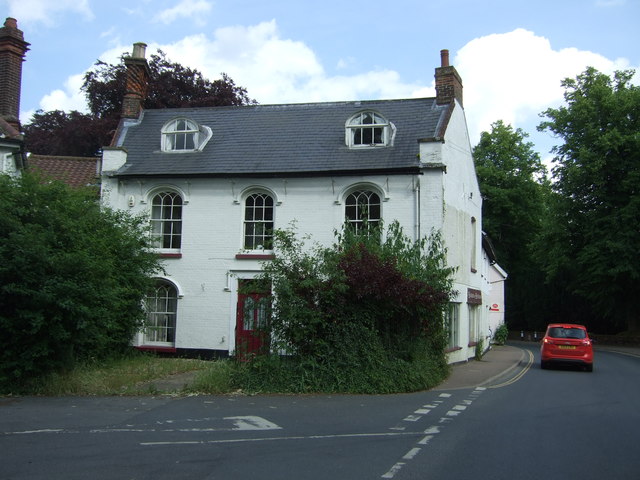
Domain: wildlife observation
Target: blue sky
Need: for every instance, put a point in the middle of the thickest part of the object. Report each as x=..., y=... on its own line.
x=511, y=54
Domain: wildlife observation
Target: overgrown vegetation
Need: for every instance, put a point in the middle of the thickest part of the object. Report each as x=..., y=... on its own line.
x=362, y=316
x=501, y=335
x=72, y=275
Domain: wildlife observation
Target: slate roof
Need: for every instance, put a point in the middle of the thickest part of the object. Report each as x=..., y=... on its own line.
x=74, y=171
x=292, y=139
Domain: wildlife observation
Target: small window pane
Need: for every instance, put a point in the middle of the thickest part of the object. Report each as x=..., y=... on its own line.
x=166, y=220
x=258, y=222
x=161, y=305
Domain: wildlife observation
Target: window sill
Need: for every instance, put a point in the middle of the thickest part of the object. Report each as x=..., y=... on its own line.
x=452, y=349
x=170, y=255
x=255, y=256
x=152, y=348
x=473, y=344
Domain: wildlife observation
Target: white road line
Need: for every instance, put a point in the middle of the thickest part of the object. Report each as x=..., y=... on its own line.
x=273, y=439
x=425, y=440
x=422, y=411
x=411, y=418
x=411, y=453
x=393, y=470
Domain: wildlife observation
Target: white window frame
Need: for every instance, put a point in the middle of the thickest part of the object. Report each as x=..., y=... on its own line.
x=355, y=127
x=174, y=139
x=474, y=323
x=452, y=317
x=162, y=315
x=164, y=223
x=359, y=219
x=266, y=226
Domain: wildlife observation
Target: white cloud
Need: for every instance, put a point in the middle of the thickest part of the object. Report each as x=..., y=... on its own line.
x=277, y=70
x=71, y=98
x=184, y=9
x=516, y=75
x=46, y=11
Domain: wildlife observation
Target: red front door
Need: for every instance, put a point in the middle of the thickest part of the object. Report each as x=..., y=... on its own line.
x=251, y=321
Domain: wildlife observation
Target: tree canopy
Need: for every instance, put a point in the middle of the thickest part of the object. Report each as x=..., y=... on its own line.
x=510, y=174
x=514, y=186
x=171, y=85
x=592, y=239
x=72, y=276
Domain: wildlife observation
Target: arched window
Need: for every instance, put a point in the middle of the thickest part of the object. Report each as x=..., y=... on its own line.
x=362, y=207
x=258, y=222
x=162, y=306
x=166, y=220
x=183, y=135
x=180, y=134
x=368, y=129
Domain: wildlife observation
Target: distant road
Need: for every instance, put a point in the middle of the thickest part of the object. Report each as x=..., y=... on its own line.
x=551, y=424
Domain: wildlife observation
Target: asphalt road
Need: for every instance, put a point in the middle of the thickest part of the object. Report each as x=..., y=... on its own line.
x=527, y=423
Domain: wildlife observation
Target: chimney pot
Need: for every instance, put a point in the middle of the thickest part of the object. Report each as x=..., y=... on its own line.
x=444, y=58
x=139, y=50
x=11, y=23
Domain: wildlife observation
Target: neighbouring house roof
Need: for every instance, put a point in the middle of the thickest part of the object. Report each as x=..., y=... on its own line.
x=8, y=131
x=76, y=172
x=292, y=139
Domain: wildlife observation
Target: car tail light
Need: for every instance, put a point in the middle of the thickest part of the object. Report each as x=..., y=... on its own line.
x=586, y=343
x=548, y=341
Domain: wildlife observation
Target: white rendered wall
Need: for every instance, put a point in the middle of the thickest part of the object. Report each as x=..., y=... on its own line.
x=208, y=269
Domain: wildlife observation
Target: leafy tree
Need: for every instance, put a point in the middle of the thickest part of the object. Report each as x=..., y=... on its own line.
x=363, y=315
x=510, y=174
x=74, y=133
x=593, y=236
x=514, y=186
x=170, y=85
x=72, y=276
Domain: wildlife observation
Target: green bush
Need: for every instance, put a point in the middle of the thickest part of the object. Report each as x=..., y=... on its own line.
x=72, y=276
x=501, y=335
x=362, y=316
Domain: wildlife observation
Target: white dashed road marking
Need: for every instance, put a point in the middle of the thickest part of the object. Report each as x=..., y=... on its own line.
x=431, y=432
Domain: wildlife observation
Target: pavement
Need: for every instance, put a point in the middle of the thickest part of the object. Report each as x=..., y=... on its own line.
x=498, y=365
x=500, y=362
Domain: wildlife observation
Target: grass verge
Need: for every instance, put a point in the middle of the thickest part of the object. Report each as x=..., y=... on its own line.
x=127, y=375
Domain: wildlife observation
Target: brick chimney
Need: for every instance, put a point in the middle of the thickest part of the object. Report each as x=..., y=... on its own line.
x=448, y=81
x=12, y=52
x=137, y=81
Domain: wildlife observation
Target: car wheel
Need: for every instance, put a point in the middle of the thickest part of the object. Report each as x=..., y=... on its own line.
x=543, y=365
x=589, y=368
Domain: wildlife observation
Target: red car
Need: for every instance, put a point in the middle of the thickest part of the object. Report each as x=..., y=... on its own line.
x=566, y=343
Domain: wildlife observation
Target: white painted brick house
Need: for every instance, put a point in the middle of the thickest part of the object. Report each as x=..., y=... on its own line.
x=215, y=181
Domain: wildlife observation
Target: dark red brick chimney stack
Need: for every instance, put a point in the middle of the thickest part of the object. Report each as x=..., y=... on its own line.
x=448, y=81
x=13, y=49
x=137, y=81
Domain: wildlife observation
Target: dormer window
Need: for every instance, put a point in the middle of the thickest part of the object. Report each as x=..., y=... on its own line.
x=183, y=135
x=368, y=129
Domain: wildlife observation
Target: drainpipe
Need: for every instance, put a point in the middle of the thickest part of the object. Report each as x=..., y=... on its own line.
x=417, y=208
